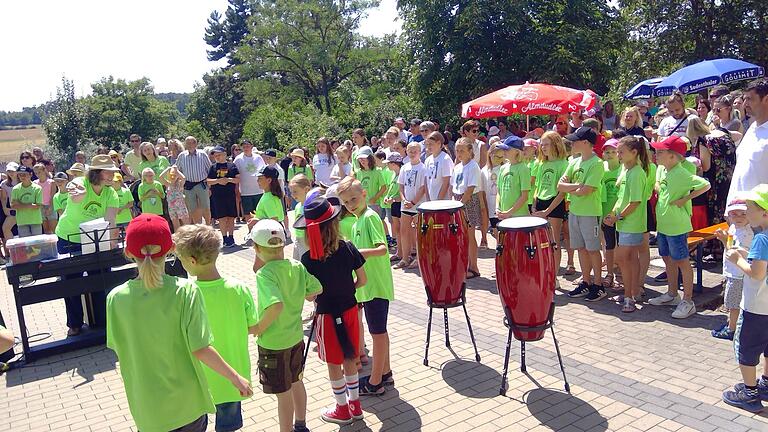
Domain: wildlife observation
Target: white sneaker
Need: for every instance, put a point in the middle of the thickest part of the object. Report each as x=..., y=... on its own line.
x=665, y=300
x=685, y=309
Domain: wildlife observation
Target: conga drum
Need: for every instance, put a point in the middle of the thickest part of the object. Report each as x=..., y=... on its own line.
x=525, y=278
x=443, y=245
x=443, y=252
x=525, y=274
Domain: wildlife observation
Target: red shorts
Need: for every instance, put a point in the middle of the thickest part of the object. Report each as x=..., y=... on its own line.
x=699, y=217
x=328, y=345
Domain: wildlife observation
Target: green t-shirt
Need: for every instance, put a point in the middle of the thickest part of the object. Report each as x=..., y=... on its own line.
x=610, y=191
x=230, y=310
x=590, y=173
x=124, y=197
x=154, y=333
x=298, y=211
x=674, y=184
x=283, y=281
x=270, y=207
x=59, y=201
x=371, y=180
x=389, y=180
x=368, y=233
x=345, y=226
x=306, y=170
x=533, y=166
x=32, y=194
x=513, y=179
x=153, y=204
x=549, y=173
x=650, y=181
x=158, y=165
x=92, y=207
x=632, y=189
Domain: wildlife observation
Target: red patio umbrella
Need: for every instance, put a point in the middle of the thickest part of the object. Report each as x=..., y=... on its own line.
x=529, y=99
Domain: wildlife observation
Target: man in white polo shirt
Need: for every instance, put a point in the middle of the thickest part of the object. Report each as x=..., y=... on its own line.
x=248, y=164
x=752, y=153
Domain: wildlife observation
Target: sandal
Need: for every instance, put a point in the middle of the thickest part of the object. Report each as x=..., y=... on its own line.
x=629, y=306
x=608, y=281
x=472, y=274
x=402, y=264
x=394, y=258
x=414, y=264
x=484, y=244
x=570, y=270
x=74, y=331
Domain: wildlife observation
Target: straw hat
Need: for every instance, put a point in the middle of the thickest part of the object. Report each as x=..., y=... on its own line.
x=299, y=153
x=103, y=162
x=77, y=168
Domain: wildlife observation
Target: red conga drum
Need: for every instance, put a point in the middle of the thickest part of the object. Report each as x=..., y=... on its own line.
x=525, y=278
x=443, y=246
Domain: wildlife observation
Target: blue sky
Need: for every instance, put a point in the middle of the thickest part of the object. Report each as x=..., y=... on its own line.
x=88, y=39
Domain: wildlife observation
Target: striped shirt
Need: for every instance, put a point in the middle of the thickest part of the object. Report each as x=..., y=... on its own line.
x=195, y=166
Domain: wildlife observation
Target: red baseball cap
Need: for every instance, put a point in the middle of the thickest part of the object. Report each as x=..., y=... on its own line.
x=148, y=229
x=673, y=143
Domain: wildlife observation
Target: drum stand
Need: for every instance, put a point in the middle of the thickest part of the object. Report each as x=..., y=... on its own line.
x=445, y=308
x=509, y=322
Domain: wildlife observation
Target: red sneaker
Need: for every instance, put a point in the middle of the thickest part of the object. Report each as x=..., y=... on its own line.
x=339, y=414
x=356, y=410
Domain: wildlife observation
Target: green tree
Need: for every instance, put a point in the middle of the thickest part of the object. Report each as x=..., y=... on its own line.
x=225, y=34
x=217, y=106
x=116, y=108
x=282, y=126
x=310, y=44
x=64, y=123
x=461, y=49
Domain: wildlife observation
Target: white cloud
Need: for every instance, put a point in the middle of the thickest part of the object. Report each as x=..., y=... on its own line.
x=89, y=39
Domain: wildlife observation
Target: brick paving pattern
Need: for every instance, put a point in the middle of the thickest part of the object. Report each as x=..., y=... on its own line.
x=628, y=372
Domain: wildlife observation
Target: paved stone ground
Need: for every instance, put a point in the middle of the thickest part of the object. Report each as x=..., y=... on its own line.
x=628, y=372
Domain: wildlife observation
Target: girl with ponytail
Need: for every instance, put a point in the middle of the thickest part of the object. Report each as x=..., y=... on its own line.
x=333, y=261
x=164, y=382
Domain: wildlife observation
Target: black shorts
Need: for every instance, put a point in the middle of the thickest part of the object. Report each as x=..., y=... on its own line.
x=396, y=209
x=558, y=213
x=223, y=205
x=249, y=203
x=279, y=369
x=494, y=221
x=609, y=233
x=376, y=312
x=651, y=218
x=751, y=340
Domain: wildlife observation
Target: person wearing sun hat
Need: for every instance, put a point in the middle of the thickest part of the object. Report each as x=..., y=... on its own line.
x=60, y=197
x=76, y=170
x=161, y=362
x=282, y=286
x=298, y=165
x=751, y=337
x=90, y=197
x=338, y=265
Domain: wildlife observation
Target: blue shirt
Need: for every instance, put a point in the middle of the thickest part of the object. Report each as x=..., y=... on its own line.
x=755, y=295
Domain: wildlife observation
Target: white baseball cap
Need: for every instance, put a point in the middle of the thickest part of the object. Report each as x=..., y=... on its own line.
x=268, y=233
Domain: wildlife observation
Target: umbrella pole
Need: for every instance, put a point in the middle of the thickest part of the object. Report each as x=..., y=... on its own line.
x=527, y=123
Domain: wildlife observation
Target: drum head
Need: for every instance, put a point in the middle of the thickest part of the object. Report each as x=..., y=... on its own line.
x=440, y=205
x=522, y=223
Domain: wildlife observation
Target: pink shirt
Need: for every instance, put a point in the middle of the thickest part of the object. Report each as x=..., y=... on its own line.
x=47, y=188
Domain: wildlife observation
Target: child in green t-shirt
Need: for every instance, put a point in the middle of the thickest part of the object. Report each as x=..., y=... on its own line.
x=270, y=205
x=282, y=286
x=676, y=187
x=368, y=236
x=160, y=360
x=124, y=200
x=612, y=167
x=60, y=197
x=373, y=183
x=230, y=310
x=514, y=181
x=582, y=181
x=299, y=186
x=391, y=201
x=628, y=215
x=386, y=176
x=27, y=200
x=151, y=193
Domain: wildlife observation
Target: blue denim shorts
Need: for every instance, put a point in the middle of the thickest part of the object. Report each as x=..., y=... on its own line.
x=673, y=246
x=229, y=417
x=630, y=239
x=750, y=340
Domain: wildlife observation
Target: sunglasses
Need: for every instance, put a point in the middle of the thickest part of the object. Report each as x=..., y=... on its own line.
x=26, y=157
x=113, y=157
x=475, y=130
x=559, y=123
x=135, y=141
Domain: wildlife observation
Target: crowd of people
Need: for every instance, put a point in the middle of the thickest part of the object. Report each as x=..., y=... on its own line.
x=609, y=184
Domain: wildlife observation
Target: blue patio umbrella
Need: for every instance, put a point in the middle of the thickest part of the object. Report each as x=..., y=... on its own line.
x=706, y=74
x=644, y=89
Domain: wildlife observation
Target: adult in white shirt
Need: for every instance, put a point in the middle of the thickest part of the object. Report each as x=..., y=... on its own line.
x=323, y=161
x=465, y=180
x=471, y=130
x=677, y=122
x=402, y=134
x=752, y=153
x=133, y=158
x=249, y=164
x=413, y=191
x=439, y=166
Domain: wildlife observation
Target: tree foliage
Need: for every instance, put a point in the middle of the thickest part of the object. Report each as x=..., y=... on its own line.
x=225, y=33
x=279, y=126
x=27, y=116
x=64, y=123
x=217, y=107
